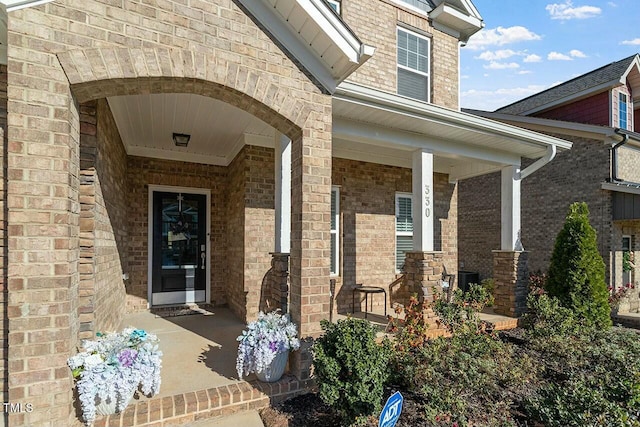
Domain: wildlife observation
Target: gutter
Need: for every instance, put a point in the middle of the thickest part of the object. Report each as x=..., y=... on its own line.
x=614, y=154
x=549, y=155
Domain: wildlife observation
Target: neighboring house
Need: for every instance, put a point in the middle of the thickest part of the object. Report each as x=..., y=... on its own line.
x=597, y=111
x=237, y=152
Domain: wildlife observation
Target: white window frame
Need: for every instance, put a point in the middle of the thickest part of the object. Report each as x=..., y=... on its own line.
x=622, y=117
x=336, y=4
x=426, y=75
x=336, y=246
x=400, y=195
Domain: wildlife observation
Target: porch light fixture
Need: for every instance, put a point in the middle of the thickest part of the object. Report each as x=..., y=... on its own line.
x=181, y=139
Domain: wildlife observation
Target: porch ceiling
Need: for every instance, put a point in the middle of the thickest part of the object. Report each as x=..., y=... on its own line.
x=147, y=122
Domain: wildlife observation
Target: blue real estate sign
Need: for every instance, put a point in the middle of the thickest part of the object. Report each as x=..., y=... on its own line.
x=391, y=411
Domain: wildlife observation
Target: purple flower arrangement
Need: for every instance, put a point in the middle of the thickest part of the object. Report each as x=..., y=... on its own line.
x=270, y=334
x=113, y=366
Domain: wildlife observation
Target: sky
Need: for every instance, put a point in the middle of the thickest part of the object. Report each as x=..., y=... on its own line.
x=528, y=46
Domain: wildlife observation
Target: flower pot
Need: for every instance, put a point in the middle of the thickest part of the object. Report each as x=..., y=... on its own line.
x=274, y=371
x=109, y=406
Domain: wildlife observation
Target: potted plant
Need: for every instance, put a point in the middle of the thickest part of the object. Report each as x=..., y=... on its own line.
x=265, y=344
x=616, y=296
x=112, y=367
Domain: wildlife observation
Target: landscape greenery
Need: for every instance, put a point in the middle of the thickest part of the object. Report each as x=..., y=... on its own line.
x=566, y=366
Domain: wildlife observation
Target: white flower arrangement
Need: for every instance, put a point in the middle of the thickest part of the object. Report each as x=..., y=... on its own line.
x=113, y=366
x=271, y=334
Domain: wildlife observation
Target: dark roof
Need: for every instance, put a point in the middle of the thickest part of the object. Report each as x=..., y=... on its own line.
x=592, y=79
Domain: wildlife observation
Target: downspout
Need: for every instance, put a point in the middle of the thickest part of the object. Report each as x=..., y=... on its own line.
x=549, y=155
x=614, y=154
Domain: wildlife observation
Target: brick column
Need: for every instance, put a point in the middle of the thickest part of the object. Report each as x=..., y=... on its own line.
x=511, y=274
x=310, y=229
x=423, y=270
x=42, y=232
x=279, y=278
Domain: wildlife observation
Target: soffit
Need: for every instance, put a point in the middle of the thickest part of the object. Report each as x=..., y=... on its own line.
x=432, y=127
x=314, y=35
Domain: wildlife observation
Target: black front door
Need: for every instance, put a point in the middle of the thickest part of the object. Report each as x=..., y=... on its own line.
x=179, y=248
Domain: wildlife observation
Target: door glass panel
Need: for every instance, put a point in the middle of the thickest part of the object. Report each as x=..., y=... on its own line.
x=179, y=245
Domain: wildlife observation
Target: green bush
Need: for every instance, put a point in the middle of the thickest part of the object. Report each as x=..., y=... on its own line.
x=576, y=271
x=462, y=311
x=351, y=368
x=470, y=378
x=587, y=376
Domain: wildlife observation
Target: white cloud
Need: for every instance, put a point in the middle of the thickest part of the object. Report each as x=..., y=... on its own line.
x=566, y=11
x=488, y=55
x=577, y=53
x=493, y=65
x=532, y=58
x=612, y=4
x=557, y=56
x=491, y=99
x=501, y=36
x=634, y=42
x=525, y=72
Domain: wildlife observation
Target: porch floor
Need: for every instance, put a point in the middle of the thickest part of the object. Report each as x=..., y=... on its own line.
x=199, y=350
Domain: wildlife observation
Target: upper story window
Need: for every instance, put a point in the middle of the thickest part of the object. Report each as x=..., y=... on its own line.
x=622, y=111
x=335, y=4
x=418, y=4
x=413, y=65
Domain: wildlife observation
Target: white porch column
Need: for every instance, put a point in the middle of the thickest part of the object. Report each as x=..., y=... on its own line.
x=510, y=212
x=422, y=175
x=283, y=193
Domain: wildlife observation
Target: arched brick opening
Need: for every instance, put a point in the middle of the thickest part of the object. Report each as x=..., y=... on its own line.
x=301, y=113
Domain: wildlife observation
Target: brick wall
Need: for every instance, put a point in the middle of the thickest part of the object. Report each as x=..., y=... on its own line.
x=375, y=22
x=251, y=228
x=103, y=220
x=573, y=176
x=4, y=325
x=593, y=110
x=234, y=212
x=143, y=172
x=629, y=163
x=367, y=220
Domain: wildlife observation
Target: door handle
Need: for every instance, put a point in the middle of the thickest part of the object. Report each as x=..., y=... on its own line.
x=203, y=256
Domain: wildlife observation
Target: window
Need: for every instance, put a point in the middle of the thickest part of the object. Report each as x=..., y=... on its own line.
x=413, y=65
x=622, y=111
x=335, y=5
x=419, y=4
x=335, y=230
x=404, y=227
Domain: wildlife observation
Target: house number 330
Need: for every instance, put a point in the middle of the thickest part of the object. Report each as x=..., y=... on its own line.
x=427, y=201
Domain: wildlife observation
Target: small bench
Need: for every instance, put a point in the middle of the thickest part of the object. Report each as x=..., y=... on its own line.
x=367, y=290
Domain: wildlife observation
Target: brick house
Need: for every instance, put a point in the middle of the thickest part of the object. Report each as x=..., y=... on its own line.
x=236, y=152
x=598, y=113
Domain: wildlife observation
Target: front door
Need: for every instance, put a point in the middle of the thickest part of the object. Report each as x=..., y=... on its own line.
x=179, y=248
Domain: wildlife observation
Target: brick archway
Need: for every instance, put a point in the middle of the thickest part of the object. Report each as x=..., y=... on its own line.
x=103, y=72
x=300, y=112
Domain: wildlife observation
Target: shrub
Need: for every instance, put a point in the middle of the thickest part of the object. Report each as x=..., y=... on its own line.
x=587, y=376
x=576, y=271
x=462, y=311
x=351, y=368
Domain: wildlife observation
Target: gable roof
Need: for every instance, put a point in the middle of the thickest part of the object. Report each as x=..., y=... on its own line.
x=588, y=84
x=314, y=35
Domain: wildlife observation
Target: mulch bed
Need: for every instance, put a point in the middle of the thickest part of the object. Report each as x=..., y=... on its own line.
x=308, y=410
